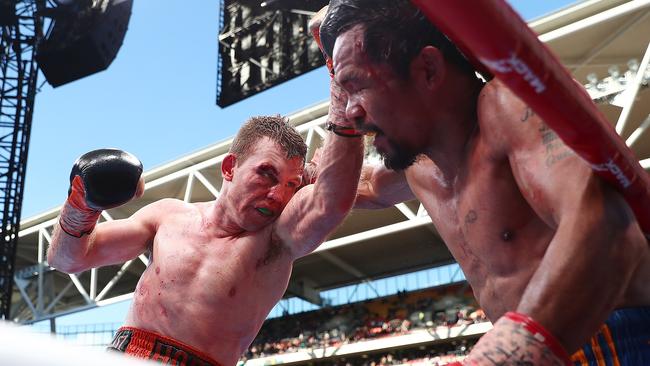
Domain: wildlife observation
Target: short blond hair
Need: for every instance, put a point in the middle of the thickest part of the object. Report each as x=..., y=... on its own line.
x=276, y=128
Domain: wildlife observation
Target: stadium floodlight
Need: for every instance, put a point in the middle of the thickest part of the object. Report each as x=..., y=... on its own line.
x=263, y=44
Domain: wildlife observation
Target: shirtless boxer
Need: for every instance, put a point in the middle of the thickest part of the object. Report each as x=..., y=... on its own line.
x=553, y=254
x=217, y=268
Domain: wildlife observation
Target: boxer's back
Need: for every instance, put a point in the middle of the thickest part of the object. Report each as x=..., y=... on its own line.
x=207, y=291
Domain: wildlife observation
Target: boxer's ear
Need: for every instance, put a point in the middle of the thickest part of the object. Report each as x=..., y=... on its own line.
x=228, y=167
x=429, y=67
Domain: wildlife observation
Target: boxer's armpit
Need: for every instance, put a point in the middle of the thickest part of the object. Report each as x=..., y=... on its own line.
x=276, y=248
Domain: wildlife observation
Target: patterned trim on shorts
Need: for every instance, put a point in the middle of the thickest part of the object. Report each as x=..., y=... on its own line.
x=148, y=345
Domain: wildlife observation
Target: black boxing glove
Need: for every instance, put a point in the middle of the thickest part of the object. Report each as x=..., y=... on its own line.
x=99, y=180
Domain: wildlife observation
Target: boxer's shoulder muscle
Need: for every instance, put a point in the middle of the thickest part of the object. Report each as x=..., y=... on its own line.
x=509, y=125
x=166, y=212
x=166, y=207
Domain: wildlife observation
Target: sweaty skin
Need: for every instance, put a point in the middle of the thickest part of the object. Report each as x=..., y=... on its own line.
x=211, y=292
x=219, y=267
x=534, y=230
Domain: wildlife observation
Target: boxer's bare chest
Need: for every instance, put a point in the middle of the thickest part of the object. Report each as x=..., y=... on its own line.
x=485, y=221
x=192, y=254
x=228, y=283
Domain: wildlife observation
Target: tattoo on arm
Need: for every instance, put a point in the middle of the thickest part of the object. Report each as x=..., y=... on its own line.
x=555, y=148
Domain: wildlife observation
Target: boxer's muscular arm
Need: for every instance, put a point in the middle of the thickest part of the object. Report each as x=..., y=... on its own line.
x=597, y=243
x=319, y=208
x=380, y=187
x=109, y=243
x=99, y=180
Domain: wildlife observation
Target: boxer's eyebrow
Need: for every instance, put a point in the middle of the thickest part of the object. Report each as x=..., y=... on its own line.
x=349, y=77
x=269, y=170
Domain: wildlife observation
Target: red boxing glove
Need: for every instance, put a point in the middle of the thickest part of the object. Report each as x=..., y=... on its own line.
x=517, y=339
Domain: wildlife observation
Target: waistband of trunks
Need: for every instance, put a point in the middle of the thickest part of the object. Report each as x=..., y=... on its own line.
x=148, y=345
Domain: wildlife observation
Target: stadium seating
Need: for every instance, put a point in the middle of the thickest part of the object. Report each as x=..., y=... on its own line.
x=427, y=327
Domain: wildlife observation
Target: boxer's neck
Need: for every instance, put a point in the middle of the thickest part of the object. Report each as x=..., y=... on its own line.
x=455, y=125
x=223, y=216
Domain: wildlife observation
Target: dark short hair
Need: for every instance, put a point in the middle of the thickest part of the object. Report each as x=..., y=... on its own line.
x=276, y=128
x=395, y=32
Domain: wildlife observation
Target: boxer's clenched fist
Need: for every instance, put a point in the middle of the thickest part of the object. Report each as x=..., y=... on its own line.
x=99, y=180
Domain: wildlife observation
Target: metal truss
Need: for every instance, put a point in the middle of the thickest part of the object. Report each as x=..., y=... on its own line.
x=18, y=73
x=621, y=90
x=260, y=47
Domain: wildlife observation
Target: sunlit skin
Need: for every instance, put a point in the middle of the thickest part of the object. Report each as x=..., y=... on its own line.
x=262, y=185
x=531, y=226
x=372, y=97
x=218, y=268
x=233, y=234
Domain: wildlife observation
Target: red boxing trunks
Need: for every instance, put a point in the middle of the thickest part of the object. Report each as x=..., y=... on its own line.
x=155, y=347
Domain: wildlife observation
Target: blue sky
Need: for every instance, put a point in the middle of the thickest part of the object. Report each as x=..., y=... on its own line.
x=157, y=101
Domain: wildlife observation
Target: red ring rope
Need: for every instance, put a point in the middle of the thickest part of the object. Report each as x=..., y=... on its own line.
x=495, y=34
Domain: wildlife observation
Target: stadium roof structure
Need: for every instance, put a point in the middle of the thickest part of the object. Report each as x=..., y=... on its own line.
x=603, y=42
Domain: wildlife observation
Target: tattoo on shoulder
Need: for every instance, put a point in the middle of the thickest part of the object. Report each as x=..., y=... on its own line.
x=527, y=114
x=555, y=149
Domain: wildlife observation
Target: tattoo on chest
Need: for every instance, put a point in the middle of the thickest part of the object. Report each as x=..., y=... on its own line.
x=471, y=217
x=555, y=150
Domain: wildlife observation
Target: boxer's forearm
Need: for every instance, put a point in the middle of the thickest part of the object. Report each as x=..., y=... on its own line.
x=338, y=173
x=319, y=208
x=66, y=253
x=73, y=239
x=381, y=188
x=582, y=275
